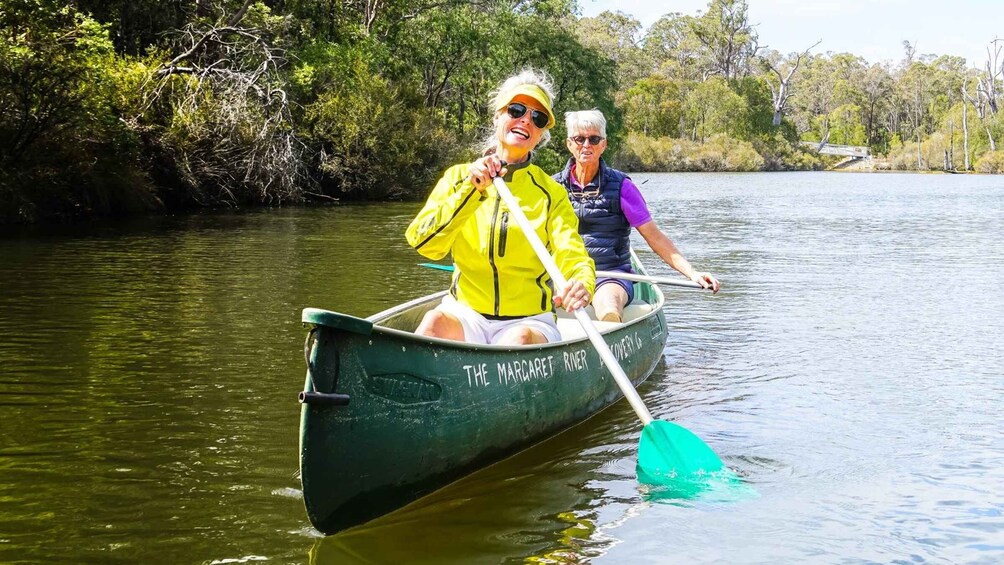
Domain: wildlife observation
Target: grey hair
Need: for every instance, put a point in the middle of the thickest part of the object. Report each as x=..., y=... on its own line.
x=585, y=120
x=540, y=79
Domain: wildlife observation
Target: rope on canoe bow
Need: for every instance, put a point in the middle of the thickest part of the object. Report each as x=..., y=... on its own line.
x=315, y=397
x=306, y=351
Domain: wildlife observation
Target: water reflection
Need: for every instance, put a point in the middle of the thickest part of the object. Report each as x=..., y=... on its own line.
x=850, y=371
x=530, y=506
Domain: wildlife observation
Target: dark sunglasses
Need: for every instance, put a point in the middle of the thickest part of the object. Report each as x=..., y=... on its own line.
x=581, y=139
x=517, y=111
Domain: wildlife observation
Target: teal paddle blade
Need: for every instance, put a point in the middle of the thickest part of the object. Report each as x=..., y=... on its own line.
x=671, y=453
x=677, y=466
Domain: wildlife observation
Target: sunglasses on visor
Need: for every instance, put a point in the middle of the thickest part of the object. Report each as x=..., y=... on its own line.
x=581, y=139
x=517, y=110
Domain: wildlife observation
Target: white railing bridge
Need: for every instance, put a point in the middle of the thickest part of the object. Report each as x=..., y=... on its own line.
x=855, y=151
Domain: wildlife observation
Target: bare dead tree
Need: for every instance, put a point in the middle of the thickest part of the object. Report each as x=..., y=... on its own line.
x=994, y=69
x=782, y=92
x=986, y=102
x=226, y=81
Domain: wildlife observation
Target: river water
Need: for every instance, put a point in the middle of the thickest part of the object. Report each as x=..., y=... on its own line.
x=851, y=370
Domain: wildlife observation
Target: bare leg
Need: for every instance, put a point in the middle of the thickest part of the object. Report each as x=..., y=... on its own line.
x=609, y=301
x=436, y=323
x=521, y=335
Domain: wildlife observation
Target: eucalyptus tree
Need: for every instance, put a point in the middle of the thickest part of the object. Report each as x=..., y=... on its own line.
x=815, y=99
x=653, y=106
x=729, y=40
x=711, y=107
x=845, y=125
x=948, y=75
x=446, y=50
x=915, y=92
x=617, y=36
x=672, y=49
x=876, y=86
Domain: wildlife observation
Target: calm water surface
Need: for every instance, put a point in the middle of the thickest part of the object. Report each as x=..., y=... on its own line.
x=851, y=370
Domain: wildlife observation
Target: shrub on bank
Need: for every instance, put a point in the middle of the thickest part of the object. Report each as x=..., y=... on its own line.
x=64, y=151
x=373, y=139
x=991, y=162
x=720, y=153
x=781, y=155
x=724, y=154
x=932, y=155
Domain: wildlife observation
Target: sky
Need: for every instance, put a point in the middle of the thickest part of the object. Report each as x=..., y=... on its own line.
x=873, y=29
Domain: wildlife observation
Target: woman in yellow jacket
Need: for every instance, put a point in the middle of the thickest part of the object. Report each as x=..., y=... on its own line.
x=501, y=292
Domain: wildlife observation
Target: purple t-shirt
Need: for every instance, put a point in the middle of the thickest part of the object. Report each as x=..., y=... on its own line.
x=632, y=203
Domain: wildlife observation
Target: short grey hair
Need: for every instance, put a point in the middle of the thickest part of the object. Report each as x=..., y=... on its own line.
x=528, y=75
x=585, y=120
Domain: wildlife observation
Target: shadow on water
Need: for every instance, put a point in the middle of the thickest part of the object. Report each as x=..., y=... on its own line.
x=540, y=504
x=556, y=502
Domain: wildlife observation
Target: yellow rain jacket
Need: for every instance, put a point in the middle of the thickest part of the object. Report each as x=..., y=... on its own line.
x=496, y=271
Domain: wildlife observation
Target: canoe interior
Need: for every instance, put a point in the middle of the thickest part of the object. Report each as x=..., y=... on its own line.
x=406, y=318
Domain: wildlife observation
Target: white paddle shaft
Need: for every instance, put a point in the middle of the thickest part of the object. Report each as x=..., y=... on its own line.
x=643, y=278
x=580, y=314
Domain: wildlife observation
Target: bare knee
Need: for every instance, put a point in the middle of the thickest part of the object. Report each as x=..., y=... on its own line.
x=609, y=301
x=439, y=324
x=522, y=335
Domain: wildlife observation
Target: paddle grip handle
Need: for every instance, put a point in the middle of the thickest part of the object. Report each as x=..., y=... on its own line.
x=323, y=398
x=561, y=282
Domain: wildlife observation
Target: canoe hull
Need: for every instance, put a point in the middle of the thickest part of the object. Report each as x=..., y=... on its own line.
x=423, y=412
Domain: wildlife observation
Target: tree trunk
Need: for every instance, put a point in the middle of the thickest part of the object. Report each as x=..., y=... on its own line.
x=777, y=118
x=965, y=135
x=990, y=136
x=951, y=145
x=965, y=127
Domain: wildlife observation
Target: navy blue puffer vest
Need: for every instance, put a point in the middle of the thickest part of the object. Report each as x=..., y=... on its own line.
x=604, y=229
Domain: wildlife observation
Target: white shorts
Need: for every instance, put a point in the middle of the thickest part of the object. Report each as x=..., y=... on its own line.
x=478, y=329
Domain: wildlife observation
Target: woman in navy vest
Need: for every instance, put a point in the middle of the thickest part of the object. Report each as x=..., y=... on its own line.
x=608, y=205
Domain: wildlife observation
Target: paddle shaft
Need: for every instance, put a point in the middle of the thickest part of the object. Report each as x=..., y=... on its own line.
x=644, y=278
x=605, y=274
x=580, y=314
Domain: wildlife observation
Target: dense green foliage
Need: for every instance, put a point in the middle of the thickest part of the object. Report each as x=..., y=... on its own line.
x=117, y=107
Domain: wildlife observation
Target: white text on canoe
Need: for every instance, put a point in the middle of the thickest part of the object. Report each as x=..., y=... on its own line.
x=523, y=370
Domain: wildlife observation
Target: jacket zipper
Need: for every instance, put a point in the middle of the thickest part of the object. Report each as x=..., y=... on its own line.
x=491, y=253
x=503, y=233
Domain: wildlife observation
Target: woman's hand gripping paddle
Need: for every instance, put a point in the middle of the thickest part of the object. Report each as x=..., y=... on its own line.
x=667, y=452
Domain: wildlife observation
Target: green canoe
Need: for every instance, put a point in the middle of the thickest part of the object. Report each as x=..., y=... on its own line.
x=389, y=416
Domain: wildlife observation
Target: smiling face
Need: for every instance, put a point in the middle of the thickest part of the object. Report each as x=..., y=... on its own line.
x=518, y=136
x=586, y=153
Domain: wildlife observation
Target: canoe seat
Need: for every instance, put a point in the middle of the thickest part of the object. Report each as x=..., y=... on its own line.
x=570, y=328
